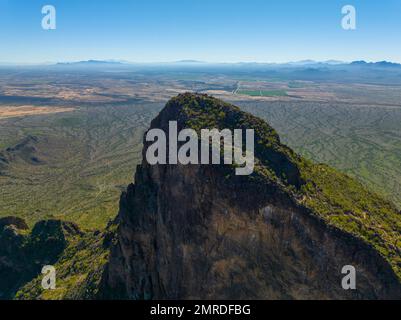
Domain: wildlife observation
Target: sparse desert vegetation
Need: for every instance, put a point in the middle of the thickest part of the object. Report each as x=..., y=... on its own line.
x=71, y=165
x=70, y=155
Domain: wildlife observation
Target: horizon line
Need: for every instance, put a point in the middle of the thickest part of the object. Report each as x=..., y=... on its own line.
x=189, y=61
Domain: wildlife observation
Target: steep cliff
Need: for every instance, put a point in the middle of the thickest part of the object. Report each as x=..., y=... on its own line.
x=23, y=253
x=284, y=232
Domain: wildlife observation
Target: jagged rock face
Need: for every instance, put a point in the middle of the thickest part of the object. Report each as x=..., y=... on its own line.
x=48, y=239
x=13, y=221
x=23, y=254
x=186, y=235
x=191, y=232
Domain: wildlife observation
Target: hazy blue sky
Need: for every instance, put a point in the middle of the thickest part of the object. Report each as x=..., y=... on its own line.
x=209, y=30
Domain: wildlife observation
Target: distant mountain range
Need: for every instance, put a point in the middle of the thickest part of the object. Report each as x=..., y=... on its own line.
x=309, y=63
x=363, y=63
x=92, y=62
x=191, y=62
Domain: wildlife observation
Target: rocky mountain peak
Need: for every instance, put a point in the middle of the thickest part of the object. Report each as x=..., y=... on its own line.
x=285, y=231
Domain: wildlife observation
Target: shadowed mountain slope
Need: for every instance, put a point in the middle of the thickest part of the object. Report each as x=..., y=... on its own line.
x=284, y=232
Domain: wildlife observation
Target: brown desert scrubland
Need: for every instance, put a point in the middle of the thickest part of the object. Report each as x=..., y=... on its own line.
x=20, y=111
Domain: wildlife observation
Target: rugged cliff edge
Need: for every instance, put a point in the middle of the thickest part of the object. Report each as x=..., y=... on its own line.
x=23, y=253
x=78, y=257
x=284, y=232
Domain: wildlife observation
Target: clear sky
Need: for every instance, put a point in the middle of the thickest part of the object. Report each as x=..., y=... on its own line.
x=208, y=30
